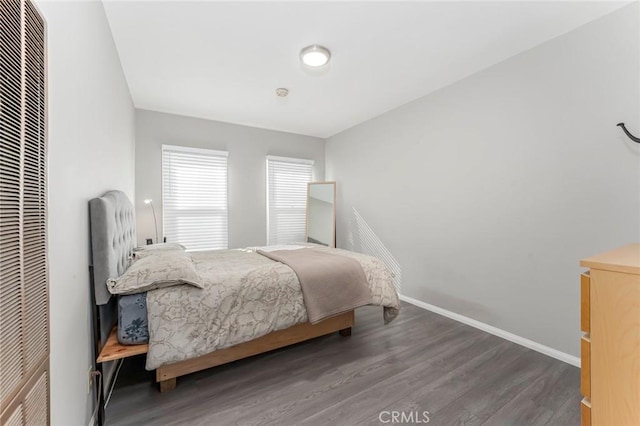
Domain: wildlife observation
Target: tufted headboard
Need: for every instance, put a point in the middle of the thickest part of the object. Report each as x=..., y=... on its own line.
x=113, y=238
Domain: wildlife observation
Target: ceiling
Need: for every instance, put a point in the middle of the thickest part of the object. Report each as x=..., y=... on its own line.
x=224, y=60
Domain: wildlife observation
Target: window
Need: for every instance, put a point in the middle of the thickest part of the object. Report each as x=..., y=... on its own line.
x=194, y=197
x=287, y=180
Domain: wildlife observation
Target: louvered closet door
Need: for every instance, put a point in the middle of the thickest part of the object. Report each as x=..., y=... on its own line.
x=24, y=322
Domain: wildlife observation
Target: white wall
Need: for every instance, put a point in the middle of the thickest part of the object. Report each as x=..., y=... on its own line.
x=91, y=150
x=247, y=147
x=489, y=191
x=320, y=221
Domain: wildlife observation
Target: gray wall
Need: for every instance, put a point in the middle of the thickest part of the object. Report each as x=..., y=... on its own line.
x=489, y=191
x=91, y=150
x=247, y=147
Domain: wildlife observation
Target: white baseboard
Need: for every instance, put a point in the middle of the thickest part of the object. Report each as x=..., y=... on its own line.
x=538, y=347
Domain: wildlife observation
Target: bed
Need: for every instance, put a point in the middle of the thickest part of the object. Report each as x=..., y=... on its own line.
x=249, y=304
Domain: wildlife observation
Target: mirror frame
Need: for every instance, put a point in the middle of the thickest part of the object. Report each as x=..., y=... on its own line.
x=306, y=224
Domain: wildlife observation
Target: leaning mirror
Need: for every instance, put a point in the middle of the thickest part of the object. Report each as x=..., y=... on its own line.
x=321, y=213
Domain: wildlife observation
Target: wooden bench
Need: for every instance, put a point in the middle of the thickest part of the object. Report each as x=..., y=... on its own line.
x=114, y=350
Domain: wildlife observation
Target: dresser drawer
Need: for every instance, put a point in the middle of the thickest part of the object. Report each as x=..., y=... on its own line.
x=585, y=367
x=585, y=412
x=585, y=302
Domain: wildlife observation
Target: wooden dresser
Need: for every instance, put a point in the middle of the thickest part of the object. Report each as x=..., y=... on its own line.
x=610, y=347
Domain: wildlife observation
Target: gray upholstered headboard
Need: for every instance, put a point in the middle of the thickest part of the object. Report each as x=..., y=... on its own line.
x=113, y=238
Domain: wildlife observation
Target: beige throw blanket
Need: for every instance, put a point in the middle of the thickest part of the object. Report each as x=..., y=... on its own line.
x=331, y=284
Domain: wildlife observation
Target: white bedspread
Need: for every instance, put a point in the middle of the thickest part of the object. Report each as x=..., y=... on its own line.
x=245, y=296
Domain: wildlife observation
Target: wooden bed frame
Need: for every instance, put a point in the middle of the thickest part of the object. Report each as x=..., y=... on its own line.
x=167, y=374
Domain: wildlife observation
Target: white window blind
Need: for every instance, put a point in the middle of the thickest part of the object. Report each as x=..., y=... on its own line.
x=287, y=180
x=194, y=197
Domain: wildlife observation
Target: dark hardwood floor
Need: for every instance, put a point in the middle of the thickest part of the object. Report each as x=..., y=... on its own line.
x=420, y=362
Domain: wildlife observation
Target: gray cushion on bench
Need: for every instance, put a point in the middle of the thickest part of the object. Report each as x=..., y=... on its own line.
x=133, y=328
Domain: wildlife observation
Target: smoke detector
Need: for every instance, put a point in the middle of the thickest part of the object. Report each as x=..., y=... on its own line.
x=282, y=92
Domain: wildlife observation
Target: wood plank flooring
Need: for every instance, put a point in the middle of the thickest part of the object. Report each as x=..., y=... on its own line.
x=420, y=362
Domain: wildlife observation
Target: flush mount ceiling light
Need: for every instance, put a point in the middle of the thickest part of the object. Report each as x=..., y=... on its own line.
x=315, y=56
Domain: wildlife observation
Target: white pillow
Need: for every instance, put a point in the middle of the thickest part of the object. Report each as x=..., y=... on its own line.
x=144, y=251
x=163, y=269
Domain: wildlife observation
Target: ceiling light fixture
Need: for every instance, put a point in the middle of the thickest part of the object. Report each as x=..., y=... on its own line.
x=315, y=56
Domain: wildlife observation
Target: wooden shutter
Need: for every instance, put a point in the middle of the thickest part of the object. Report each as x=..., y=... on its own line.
x=24, y=312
